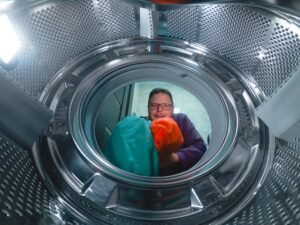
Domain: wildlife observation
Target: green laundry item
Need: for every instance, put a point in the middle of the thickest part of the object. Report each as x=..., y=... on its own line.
x=131, y=147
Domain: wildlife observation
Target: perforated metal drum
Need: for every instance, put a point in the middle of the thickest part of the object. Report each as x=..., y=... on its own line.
x=241, y=60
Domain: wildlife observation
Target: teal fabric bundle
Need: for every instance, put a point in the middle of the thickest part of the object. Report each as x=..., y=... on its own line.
x=131, y=147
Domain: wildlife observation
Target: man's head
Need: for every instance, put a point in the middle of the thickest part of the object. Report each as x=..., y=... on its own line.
x=160, y=103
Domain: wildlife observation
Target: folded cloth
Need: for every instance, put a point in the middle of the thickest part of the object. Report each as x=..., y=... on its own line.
x=166, y=135
x=130, y=147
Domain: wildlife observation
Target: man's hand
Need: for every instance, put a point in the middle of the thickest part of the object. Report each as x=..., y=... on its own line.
x=166, y=134
x=168, y=163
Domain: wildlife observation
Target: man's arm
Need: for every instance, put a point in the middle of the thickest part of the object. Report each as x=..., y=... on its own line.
x=193, y=147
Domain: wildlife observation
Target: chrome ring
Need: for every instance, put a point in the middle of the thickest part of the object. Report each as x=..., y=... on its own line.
x=240, y=142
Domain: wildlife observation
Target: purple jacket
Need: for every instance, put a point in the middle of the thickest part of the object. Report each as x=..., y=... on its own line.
x=193, y=147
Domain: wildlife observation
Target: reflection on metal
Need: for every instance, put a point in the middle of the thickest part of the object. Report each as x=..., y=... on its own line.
x=285, y=120
x=148, y=23
x=290, y=7
x=195, y=201
x=98, y=188
x=231, y=165
x=240, y=53
x=9, y=43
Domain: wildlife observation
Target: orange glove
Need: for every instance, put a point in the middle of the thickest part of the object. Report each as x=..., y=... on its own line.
x=166, y=135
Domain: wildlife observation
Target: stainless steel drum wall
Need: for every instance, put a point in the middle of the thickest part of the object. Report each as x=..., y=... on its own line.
x=52, y=32
x=263, y=44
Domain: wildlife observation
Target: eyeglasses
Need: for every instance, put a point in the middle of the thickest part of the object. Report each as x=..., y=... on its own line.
x=163, y=106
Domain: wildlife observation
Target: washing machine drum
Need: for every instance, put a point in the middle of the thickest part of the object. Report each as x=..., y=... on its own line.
x=71, y=70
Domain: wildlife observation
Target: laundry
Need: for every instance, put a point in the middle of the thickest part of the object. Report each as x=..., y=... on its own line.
x=131, y=147
x=166, y=134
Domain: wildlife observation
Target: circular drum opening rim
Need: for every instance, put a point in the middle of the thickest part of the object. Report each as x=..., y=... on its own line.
x=127, y=71
x=71, y=178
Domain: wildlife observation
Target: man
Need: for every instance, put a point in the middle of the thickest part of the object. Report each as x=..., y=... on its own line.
x=160, y=105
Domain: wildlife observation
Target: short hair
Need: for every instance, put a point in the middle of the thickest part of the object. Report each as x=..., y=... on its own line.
x=160, y=90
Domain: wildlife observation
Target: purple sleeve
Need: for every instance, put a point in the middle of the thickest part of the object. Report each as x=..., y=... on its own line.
x=193, y=147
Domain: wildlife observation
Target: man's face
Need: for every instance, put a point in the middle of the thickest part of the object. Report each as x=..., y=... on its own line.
x=160, y=106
